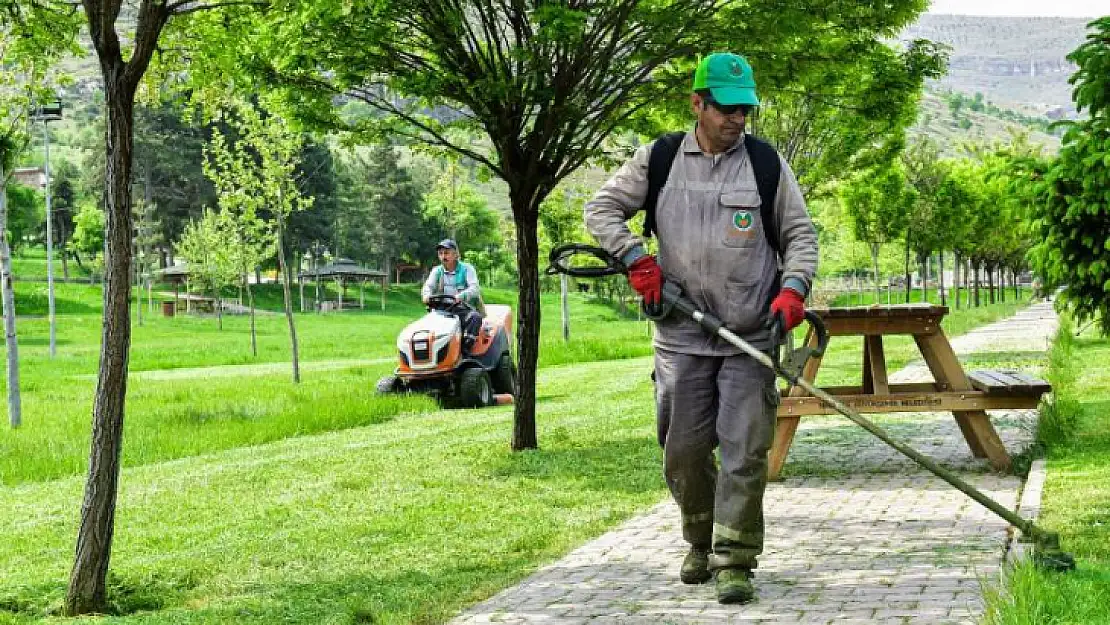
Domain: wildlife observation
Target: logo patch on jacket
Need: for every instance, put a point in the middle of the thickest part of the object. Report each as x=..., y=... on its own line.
x=742, y=220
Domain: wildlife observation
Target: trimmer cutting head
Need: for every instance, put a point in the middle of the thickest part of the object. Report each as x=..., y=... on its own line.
x=1047, y=554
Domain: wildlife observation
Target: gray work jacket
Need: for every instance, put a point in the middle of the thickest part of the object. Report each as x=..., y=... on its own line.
x=711, y=240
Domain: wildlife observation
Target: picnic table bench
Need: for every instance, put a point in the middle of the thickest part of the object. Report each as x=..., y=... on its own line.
x=967, y=396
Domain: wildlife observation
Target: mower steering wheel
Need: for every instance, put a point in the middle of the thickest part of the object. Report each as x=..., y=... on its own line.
x=444, y=302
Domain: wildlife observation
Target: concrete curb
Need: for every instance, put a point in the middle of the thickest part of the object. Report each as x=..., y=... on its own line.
x=1029, y=507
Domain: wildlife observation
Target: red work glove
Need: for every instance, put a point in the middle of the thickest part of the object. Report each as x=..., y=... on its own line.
x=789, y=305
x=647, y=278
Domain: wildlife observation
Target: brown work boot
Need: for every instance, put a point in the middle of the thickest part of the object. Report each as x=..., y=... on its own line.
x=695, y=567
x=734, y=586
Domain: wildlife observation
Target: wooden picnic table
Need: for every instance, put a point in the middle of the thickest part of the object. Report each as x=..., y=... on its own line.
x=968, y=397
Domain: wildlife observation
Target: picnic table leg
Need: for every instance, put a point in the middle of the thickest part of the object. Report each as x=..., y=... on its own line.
x=974, y=424
x=874, y=366
x=787, y=425
x=868, y=380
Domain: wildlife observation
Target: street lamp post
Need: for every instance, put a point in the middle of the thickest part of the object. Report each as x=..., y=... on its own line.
x=49, y=113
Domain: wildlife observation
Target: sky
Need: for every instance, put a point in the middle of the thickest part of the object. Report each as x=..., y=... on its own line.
x=1023, y=8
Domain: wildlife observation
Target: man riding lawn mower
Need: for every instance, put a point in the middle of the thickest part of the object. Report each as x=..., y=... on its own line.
x=460, y=351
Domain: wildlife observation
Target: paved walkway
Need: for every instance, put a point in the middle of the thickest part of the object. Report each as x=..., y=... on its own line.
x=864, y=537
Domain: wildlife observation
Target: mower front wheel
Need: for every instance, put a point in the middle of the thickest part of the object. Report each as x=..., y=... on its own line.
x=475, y=390
x=389, y=384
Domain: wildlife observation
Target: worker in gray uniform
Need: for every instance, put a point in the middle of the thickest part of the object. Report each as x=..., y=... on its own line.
x=733, y=232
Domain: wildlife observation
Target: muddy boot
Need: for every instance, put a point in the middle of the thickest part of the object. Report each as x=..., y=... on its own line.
x=695, y=567
x=735, y=586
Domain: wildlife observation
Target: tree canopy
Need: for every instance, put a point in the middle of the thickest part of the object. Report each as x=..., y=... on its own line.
x=1073, y=214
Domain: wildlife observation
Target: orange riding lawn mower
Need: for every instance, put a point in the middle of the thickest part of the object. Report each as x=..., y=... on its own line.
x=459, y=371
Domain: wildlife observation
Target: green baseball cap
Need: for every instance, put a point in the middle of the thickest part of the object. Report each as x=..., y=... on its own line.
x=728, y=77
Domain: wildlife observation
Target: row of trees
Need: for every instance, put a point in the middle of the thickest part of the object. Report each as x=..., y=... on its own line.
x=976, y=208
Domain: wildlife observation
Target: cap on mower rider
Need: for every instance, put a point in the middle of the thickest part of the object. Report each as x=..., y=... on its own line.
x=447, y=244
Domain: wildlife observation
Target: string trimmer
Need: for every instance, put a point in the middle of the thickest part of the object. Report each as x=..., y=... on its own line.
x=1046, y=553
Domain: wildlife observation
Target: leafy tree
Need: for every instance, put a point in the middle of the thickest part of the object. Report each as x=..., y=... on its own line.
x=248, y=247
x=148, y=239
x=247, y=237
x=385, y=219
x=26, y=212
x=168, y=151
x=63, y=180
x=548, y=83
x=262, y=166
x=204, y=245
x=88, y=235
x=933, y=225
x=879, y=202
x=831, y=121
x=1073, y=216
x=463, y=212
x=956, y=199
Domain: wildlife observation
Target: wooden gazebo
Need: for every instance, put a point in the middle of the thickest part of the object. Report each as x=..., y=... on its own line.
x=344, y=271
x=176, y=275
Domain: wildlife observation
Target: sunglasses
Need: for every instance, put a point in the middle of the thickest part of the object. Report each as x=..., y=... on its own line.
x=729, y=109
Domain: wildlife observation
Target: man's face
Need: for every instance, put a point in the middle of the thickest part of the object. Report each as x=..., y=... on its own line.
x=722, y=128
x=448, y=256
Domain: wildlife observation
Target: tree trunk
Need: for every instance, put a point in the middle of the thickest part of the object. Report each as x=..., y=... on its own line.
x=956, y=260
x=87, y=592
x=990, y=282
x=250, y=303
x=940, y=279
x=978, y=267
x=15, y=404
x=138, y=288
x=909, y=278
x=1002, y=285
x=875, y=268
x=1017, y=289
x=528, y=326
x=923, y=267
x=967, y=280
x=63, y=238
x=219, y=308
x=282, y=266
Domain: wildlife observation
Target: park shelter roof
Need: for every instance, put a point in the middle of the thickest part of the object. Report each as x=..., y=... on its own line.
x=342, y=268
x=174, y=273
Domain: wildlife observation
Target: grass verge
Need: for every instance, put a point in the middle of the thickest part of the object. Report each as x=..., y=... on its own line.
x=1076, y=501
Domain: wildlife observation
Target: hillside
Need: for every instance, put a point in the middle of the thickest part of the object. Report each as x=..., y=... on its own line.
x=952, y=130
x=1015, y=62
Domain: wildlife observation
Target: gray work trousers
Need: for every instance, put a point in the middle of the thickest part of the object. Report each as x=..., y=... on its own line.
x=704, y=402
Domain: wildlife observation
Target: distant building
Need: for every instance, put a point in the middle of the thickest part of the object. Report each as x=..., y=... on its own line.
x=34, y=177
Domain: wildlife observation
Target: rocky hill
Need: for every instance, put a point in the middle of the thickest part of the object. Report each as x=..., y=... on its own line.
x=1016, y=62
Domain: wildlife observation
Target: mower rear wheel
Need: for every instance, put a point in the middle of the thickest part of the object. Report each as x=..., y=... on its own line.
x=504, y=375
x=475, y=390
x=389, y=384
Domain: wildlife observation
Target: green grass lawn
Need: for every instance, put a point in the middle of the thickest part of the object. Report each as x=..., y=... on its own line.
x=194, y=388
x=1076, y=503
x=245, y=498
